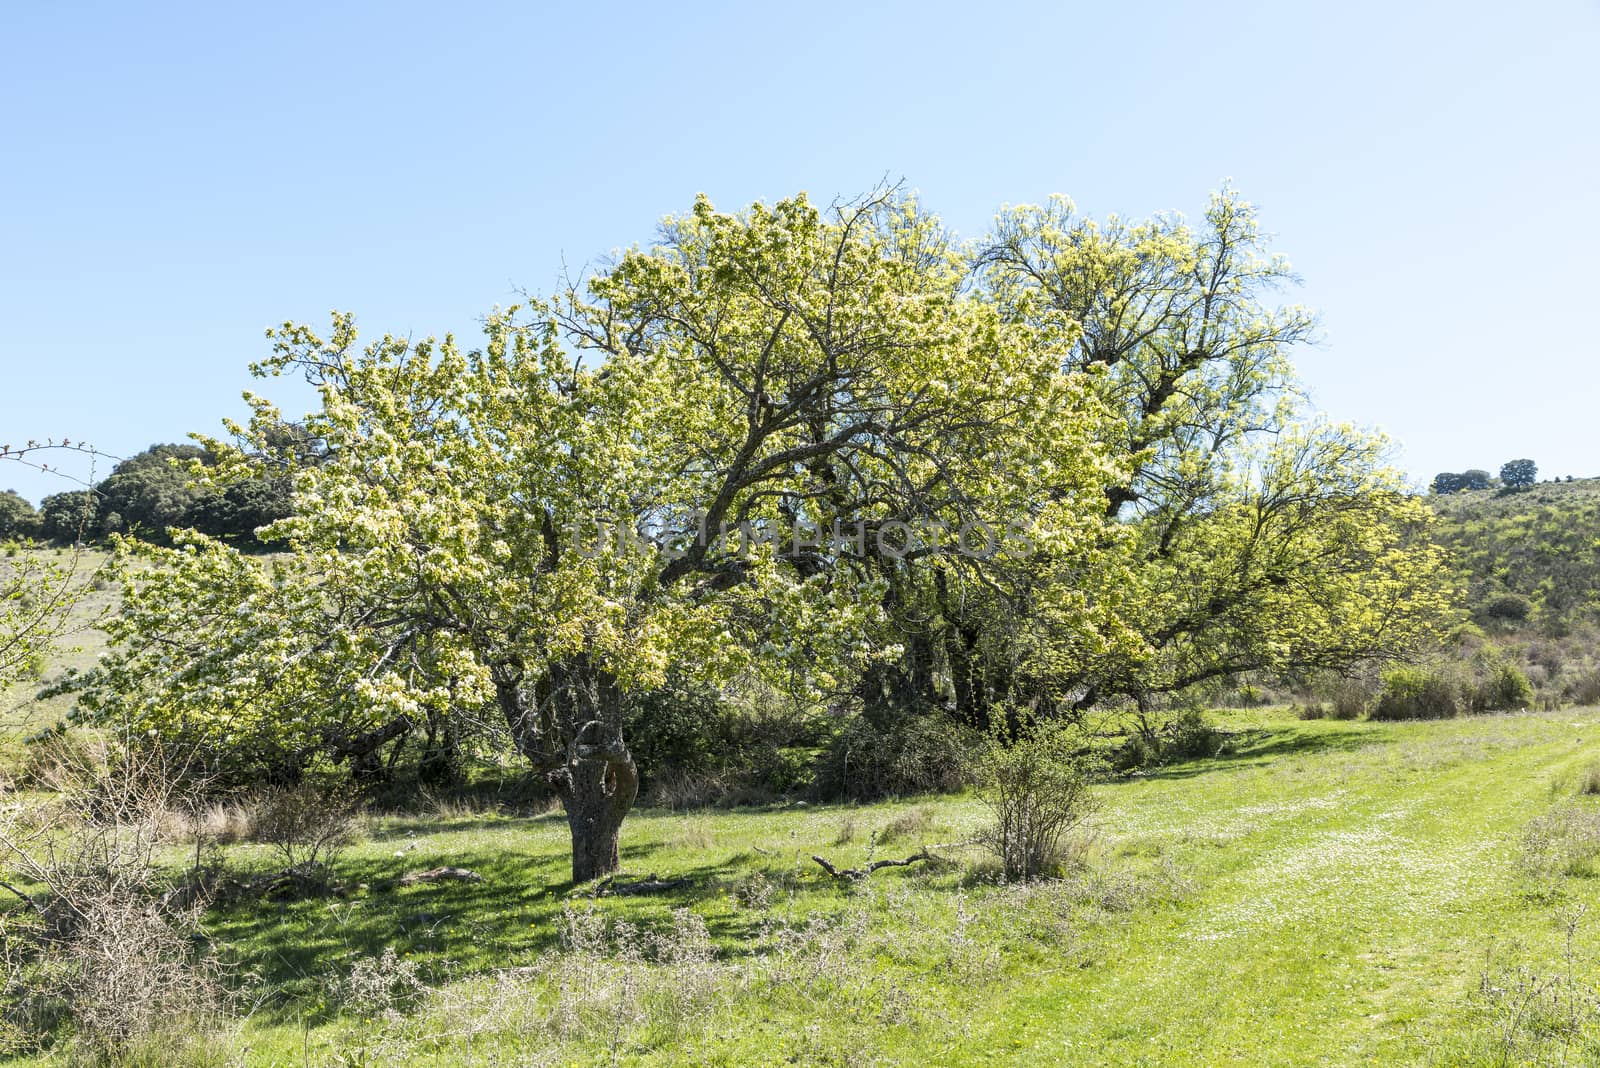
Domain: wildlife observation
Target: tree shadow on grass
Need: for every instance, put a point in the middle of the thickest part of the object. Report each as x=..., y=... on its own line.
x=452, y=930
x=1258, y=747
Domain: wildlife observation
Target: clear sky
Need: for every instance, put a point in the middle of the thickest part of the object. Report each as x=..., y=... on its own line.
x=176, y=177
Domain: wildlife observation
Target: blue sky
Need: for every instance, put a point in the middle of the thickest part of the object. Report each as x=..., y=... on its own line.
x=174, y=178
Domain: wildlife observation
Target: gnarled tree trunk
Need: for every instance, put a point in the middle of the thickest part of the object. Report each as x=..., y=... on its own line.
x=570, y=728
x=600, y=793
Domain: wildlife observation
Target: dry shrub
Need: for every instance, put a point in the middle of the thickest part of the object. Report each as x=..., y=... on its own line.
x=308, y=827
x=111, y=943
x=384, y=985
x=1540, y=1012
x=132, y=972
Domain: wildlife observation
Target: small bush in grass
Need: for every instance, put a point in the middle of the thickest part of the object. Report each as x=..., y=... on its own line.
x=1036, y=789
x=380, y=986
x=1589, y=780
x=1417, y=693
x=1187, y=736
x=1350, y=699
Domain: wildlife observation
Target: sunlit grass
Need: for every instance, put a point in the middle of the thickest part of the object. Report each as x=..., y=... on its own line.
x=1330, y=892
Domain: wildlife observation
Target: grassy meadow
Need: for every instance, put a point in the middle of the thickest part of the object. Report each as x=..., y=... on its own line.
x=75, y=650
x=1323, y=892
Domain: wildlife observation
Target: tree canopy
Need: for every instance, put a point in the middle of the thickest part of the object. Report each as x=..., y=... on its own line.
x=1519, y=474
x=828, y=446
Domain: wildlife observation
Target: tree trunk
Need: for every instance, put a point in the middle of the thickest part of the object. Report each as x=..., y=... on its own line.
x=570, y=727
x=597, y=798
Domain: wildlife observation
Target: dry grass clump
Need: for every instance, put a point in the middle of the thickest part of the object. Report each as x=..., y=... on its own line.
x=678, y=791
x=913, y=823
x=694, y=834
x=1562, y=841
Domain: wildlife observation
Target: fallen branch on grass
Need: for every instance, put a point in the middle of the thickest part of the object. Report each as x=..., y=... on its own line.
x=877, y=865
x=441, y=875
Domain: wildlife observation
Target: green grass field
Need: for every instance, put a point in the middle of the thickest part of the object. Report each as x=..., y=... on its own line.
x=1327, y=893
x=77, y=649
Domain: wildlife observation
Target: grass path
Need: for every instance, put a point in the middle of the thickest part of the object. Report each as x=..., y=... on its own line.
x=1347, y=901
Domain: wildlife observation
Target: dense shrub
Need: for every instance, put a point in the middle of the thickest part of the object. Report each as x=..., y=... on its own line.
x=680, y=729
x=894, y=753
x=1506, y=608
x=1503, y=689
x=1187, y=736
x=698, y=745
x=1417, y=693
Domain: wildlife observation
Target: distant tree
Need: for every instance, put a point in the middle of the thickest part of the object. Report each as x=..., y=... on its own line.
x=1446, y=482
x=1475, y=479
x=69, y=517
x=18, y=519
x=152, y=491
x=1517, y=474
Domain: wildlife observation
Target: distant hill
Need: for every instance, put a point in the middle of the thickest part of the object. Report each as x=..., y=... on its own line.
x=1530, y=557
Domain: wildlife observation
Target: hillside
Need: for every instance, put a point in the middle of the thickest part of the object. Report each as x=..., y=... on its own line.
x=1540, y=545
